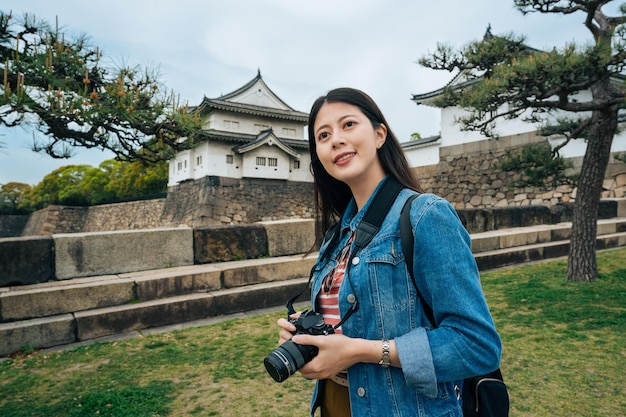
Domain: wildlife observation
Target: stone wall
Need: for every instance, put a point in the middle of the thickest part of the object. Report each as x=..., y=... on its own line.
x=56, y=219
x=217, y=201
x=210, y=201
x=12, y=225
x=133, y=215
x=466, y=177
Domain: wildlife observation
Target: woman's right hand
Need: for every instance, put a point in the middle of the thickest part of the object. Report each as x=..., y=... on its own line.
x=287, y=328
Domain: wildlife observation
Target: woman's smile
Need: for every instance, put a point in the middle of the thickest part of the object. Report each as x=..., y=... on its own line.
x=343, y=158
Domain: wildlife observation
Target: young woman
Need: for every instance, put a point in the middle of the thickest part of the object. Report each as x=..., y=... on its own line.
x=386, y=359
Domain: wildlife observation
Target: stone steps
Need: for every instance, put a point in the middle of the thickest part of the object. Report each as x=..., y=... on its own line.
x=69, y=311
x=82, y=309
x=505, y=247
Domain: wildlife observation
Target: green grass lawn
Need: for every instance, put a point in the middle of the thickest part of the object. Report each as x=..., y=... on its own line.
x=564, y=355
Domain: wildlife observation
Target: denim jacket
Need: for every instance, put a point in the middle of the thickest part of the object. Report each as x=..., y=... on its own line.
x=434, y=361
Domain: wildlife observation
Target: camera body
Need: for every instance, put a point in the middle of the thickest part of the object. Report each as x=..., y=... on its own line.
x=287, y=358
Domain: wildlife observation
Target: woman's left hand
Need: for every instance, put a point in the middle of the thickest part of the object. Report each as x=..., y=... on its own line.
x=336, y=354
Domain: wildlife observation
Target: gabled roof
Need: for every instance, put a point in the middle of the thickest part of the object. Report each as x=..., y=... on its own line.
x=267, y=137
x=254, y=98
x=238, y=137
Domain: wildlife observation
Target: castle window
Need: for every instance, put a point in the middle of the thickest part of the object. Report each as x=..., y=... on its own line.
x=199, y=160
x=260, y=161
x=296, y=164
x=259, y=128
x=179, y=166
x=229, y=159
x=273, y=162
x=290, y=133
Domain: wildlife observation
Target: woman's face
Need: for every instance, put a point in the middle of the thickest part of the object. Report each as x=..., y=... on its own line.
x=347, y=144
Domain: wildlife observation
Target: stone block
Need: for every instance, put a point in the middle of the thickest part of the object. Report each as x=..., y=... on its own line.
x=556, y=250
x=267, y=270
x=561, y=232
x=273, y=294
x=36, y=333
x=605, y=228
x=53, y=300
x=513, y=239
x=153, y=285
x=289, y=237
x=228, y=243
x=104, y=253
x=500, y=258
x=485, y=243
x=470, y=148
x=476, y=220
x=26, y=260
x=93, y=324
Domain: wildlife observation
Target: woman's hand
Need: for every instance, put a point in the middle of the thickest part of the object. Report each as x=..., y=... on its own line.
x=287, y=328
x=336, y=354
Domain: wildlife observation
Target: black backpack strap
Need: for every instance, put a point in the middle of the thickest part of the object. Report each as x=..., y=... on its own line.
x=369, y=226
x=365, y=232
x=375, y=214
x=408, y=241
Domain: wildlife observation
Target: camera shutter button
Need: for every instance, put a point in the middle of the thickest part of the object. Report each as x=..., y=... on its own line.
x=351, y=298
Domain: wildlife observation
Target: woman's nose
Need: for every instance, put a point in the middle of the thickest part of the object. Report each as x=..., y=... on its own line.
x=338, y=140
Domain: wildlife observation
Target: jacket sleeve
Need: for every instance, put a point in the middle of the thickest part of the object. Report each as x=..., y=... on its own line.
x=465, y=342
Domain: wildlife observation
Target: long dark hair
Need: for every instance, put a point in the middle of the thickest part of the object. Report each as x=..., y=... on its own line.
x=331, y=195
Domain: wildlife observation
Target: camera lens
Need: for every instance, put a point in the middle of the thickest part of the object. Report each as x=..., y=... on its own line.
x=287, y=358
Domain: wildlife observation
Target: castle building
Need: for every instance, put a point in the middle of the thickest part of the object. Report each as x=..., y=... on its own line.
x=427, y=151
x=247, y=133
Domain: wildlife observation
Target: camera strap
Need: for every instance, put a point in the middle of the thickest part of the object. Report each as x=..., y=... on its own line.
x=365, y=232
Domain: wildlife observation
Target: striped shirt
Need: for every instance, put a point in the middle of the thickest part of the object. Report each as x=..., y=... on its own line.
x=328, y=298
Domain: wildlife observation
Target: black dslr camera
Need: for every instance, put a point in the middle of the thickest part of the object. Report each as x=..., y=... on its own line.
x=287, y=358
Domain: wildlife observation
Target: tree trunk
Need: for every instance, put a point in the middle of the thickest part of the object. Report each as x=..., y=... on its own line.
x=582, y=265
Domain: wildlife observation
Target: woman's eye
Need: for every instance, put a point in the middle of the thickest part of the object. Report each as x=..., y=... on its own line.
x=323, y=136
x=350, y=124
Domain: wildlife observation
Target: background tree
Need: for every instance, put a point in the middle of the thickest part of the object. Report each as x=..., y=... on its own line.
x=62, y=186
x=84, y=185
x=13, y=197
x=134, y=179
x=510, y=80
x=60, y=86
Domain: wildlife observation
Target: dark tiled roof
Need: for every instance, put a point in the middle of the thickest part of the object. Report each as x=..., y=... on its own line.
x=245, y=138
x=220, y=104
x=419, y=142
x=224, y=102
x=267, y=135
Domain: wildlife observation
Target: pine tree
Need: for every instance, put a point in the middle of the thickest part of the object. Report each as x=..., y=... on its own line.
x=61, y=87
x=507, y=79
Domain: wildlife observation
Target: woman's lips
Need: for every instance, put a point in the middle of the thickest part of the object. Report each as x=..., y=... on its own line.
x=344, y=157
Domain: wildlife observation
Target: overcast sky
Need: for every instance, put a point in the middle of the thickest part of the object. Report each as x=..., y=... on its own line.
x=303, y=48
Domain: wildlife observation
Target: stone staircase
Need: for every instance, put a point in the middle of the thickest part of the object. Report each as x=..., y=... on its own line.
x=87, y=309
